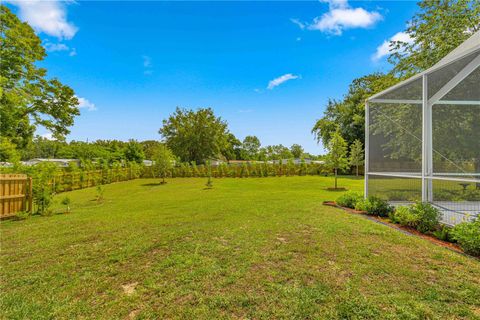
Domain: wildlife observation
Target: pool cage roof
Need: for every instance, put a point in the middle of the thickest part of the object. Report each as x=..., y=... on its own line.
x=422, y=136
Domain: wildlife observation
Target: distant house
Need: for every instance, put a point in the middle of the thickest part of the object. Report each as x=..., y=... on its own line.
x=60, y=162
x=148, y=163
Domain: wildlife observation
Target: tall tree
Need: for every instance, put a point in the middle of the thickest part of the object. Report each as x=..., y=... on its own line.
x=296, y=150
x=348, y=115
x=195, y=135
x=27, y=98
x=250, y=147
x=438, y=28
x=336, y=158
x=356, y=155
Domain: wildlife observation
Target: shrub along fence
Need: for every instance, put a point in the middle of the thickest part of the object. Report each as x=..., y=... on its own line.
x=245, y=170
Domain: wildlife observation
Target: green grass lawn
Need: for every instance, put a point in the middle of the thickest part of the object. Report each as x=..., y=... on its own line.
x=257, y=248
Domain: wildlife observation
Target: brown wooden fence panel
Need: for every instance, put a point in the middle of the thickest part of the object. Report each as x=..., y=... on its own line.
x=15, y=194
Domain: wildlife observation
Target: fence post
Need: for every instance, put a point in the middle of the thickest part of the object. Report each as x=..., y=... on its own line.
x=30, y=194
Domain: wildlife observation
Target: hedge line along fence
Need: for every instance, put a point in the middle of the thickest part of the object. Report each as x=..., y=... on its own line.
x=74, y=178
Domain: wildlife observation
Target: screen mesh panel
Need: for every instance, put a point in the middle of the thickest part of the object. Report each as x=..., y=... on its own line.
x=395, y=188
x=467, y=90
x=410, y=91
x=437, y=79
x=456, y=140
x=395, y=133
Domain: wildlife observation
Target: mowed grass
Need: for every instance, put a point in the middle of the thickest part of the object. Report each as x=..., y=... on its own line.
x=248, y=248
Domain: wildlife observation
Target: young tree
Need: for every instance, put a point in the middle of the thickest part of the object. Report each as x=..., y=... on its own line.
x=164, y=161
x=356, y=155
x=27, y=98
x=296, y=150
x=195, y=135
x=336, y=158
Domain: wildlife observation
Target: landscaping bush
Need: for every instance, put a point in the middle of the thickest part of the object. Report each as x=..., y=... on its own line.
x=403, y=215
x=375, y=206
x=428, y=217
x=467, y=234
x=349, y=199
x=421, y=216
x=443, y=233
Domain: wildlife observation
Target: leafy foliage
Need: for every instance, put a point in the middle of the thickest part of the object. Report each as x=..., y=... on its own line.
x=467, y=234
x=164, y=159
x=336, y=158
x=438, y=28
x=356, y=155
x=374, y=206
x=348, y=115
x=349, y=199
x=195, y=135
x=27, y=98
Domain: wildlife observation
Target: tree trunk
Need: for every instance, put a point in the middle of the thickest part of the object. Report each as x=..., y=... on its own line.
x=335, y=178
x=357, y=170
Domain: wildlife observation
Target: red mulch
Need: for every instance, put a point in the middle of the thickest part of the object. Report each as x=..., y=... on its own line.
x=409, y=230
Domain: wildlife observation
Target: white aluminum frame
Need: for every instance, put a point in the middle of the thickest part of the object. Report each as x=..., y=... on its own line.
x=426, y=175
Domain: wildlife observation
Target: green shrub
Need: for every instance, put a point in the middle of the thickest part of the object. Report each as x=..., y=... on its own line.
x=428, y=216
x=375, y=206
x=443, y=233
x=360, y=204
x=467, y=234
x=349, y=199
x=403, y=215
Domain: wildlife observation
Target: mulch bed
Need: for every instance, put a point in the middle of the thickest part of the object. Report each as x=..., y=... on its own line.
x=406, y=230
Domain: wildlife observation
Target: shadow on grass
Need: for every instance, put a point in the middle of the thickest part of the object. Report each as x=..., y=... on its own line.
x=340, y=189
x=153, y=184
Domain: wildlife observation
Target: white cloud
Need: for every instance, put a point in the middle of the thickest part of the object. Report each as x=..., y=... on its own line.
x=278, y=81
x=73, y=52
x=52, y=47
x=300, y=24
x=384, y=49
x=85, y=104
x=341, y=17
x=48, y=136
x=49, y=17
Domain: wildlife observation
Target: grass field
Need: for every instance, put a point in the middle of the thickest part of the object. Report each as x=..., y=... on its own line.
x=248, y=248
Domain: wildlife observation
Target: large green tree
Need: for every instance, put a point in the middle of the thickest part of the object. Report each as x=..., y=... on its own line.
x=250, y=148
x=438, y=28
x=27, y=98
x=348, y=114
x=195, y=135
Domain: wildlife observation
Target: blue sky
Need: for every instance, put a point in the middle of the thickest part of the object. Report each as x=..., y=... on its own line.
x=268, y=68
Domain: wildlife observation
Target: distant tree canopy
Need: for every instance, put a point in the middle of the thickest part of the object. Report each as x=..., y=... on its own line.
x=436, y=29
x=195, y=135
x=250, y=147
x=27, y=98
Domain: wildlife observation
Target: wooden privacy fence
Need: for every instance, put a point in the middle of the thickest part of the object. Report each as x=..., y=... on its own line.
x=15, y=194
